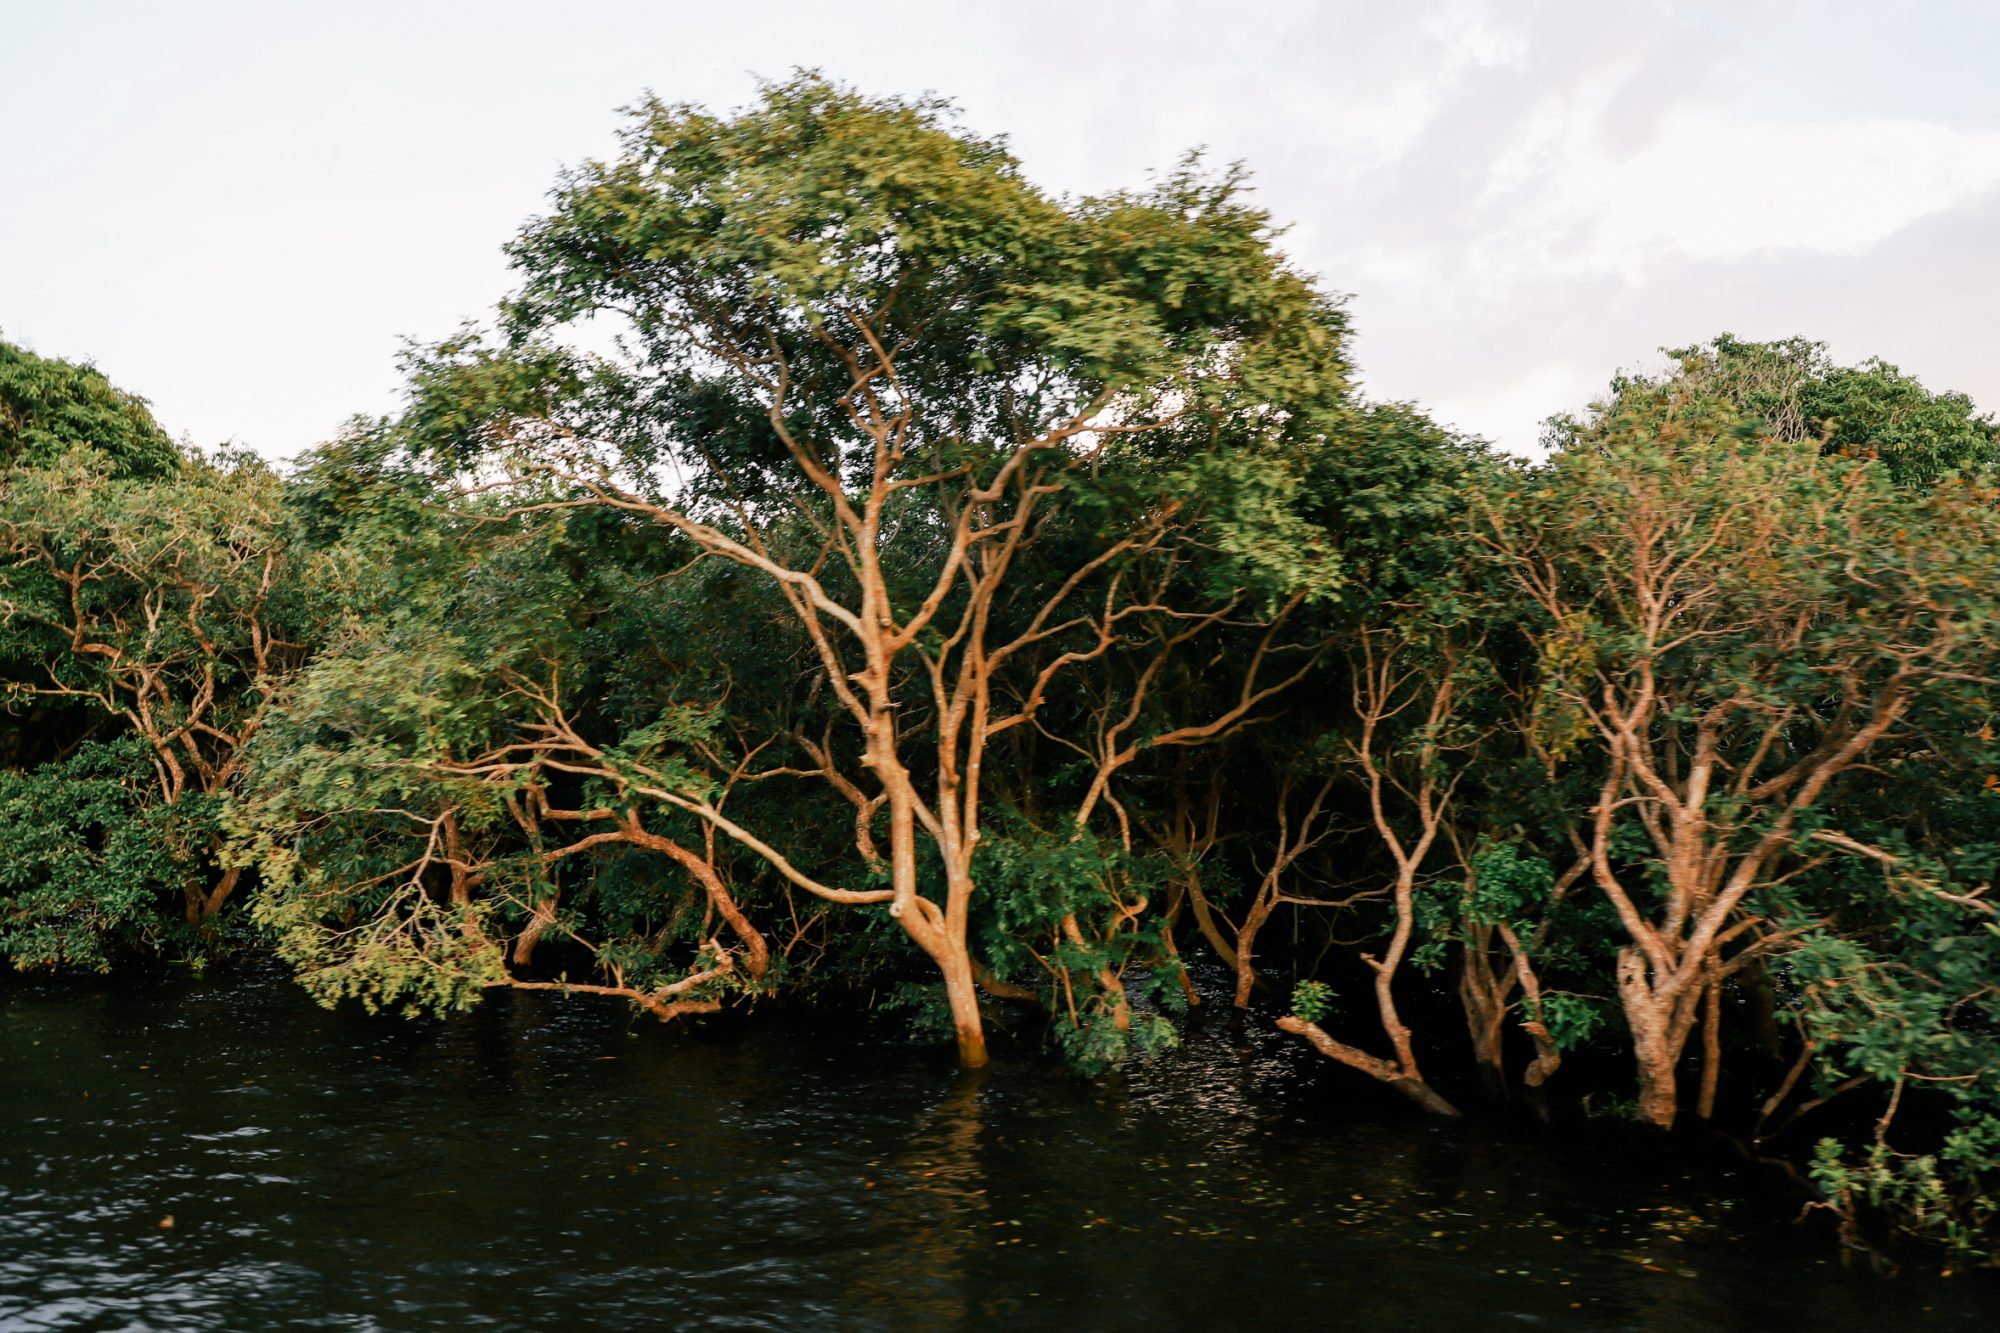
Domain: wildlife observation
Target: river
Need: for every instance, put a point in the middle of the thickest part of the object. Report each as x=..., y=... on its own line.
x=220, y=1153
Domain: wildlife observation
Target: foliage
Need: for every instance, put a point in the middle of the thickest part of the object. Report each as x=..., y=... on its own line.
x=1795, y=392
x=91, y=865
x=1312, y=1000
x=166, y=610
x=49, y=408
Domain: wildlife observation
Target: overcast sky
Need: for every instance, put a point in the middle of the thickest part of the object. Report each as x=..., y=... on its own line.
x=239, y=210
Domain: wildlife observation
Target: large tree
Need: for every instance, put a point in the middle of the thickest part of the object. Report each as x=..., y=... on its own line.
x=861, y=355
x=1733, y=633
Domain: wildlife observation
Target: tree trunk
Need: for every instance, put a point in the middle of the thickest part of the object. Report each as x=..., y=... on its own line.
x=939, y=932
x=719, y=897
x=531, y=934
x=1173, y=951
x=1107, y=980
x=1406, y=1081
x=964, y=997
x=1659, y=1096
x=1653, y=1049
x=1711, y=1050
x=202, y=908
x=1479, y=994
x=1204, y=920
x=989, y=982
x=1755, y=983
x=1246, y=943
x=1424, y=1095
x=1548, y=1058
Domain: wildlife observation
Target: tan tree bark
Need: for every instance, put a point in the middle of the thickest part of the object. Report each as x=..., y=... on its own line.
x=865, y=640
x=1390, y=680
x=1292, y=844
x=1720, y=784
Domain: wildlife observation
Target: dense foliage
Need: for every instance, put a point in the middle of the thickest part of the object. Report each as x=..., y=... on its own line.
x=49, y=407
x=848, y=574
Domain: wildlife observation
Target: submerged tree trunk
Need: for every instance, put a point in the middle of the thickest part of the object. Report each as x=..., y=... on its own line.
x=1486, y=994
x=1293, y=844
x=1406, y=1081
x=1204, y=921
x=1548, y=1058
x=1378, y=696
x=968, y=1028
x=1483, y=997
x=1659, y=1024
x=1173, y=951
x=1246, y=943
x=1401, y=1072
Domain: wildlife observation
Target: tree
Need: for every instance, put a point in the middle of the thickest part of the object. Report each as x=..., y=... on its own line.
x=463, y=776
x=1731, y=626
x=1375, y=734
x=1410, y=751
x=865, y=358
x=167, y=608
x=1796, y=391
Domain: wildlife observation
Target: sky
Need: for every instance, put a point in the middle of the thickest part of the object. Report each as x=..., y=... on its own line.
x=242, y=210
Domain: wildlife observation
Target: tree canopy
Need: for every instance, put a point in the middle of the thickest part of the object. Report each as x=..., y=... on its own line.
x=50, y=407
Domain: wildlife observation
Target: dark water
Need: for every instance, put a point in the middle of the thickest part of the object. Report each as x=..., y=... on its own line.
x=547, y=1163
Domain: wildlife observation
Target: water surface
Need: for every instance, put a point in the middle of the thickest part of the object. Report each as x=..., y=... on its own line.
x=552, y=1163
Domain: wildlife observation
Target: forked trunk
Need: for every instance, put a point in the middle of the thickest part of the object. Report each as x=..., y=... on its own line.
x=939, y=931
x=203, y=907
x=1485, y=1005
x=1655, y=1049
x=1204, y=920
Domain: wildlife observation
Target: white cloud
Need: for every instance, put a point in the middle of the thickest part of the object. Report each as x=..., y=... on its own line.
x=1712, y=185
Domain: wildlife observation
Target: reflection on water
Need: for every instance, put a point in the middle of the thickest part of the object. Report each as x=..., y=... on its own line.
x=549, y=1163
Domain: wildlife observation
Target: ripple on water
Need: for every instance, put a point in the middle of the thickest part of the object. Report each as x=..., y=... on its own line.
x=549, y=1163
